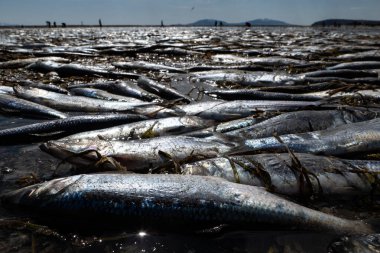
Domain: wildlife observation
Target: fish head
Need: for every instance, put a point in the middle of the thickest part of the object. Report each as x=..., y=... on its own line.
x=80, y=152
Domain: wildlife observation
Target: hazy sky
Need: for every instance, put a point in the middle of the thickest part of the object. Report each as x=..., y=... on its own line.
x=303, y=12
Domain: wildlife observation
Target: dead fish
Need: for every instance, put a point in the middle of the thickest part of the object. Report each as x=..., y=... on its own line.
x=303, y=121
x=136, y=155
x=63, y=127
x=245, y=78
x=11, y=104
x=75, y=103
x=344, y=140
x=101, y=94
x=21, y=63
x=147, y=129
x=49, y=87
x=228, y=110
x=247, y=94
x=328, y=176
x=147, y=66
x=170, y=201
x=67, y=70
x=357, y=65
x=161, y=90
x=343, y=73
x=228, y=126
x=120, y=87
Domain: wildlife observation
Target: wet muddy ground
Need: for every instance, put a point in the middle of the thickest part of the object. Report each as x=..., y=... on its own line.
x=283, y=51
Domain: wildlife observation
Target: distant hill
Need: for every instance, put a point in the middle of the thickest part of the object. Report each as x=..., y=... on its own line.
x=349, y=22
x=256, y=22
x=207, y=22
x=266, y=22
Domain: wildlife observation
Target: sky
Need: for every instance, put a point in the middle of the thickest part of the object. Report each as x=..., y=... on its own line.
x=145, y=12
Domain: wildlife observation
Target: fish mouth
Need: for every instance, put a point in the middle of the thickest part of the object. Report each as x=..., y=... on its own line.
x=83, y=158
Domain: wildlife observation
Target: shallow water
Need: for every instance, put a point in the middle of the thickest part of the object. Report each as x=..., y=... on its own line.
x=24, y=164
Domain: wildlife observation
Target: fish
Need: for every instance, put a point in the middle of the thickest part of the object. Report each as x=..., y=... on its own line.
x=273, y=61
x=161, y=90
x=136, y=155
x=303, y=121
x=11, y=104
x=147, y=66
x=75, y=103
x=228, y=110
x=344, y=140
x=174, y=51
x=245, y=78
x=371, y=55
x=124, y=88
x=147, y=129
x=170, y=201
x=20, y=63
x=247, y=94
x=357, y=65
x=343, y=73
x=67, y=70
x=228, y=126
x=248, y=67
x=49, y=87
x=62, y=127
x=101, y=94
x=329, y=176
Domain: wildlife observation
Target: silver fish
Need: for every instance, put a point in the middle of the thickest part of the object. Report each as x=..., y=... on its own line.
x=136, y=155
x=62, y=127
x=120, y=87
x=171, y=200
x=20, y=63
x=147, y=129
x=75, y=103
x=303, y=121
x=357, y=65
x=11, y=104
x=101, y=94
x=361, y=137
x=328, y=176
x=147, y=66
x=161, y=90
x=227, y=110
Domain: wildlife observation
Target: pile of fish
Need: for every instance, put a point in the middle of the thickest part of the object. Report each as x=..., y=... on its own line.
x=200, y=130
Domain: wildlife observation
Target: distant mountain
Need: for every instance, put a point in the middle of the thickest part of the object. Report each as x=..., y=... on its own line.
x=266, y=22
x=207, y=22
x=349, y=22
